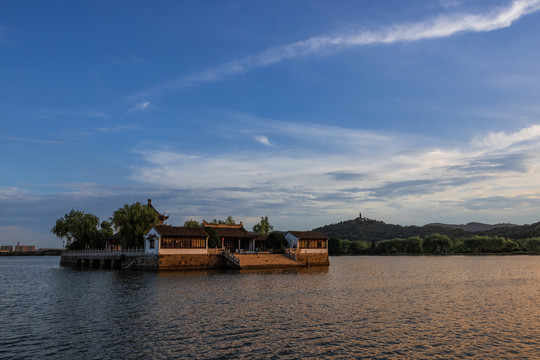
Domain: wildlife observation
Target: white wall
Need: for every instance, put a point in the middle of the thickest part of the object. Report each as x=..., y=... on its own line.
x=292, y=240
x=147, y=249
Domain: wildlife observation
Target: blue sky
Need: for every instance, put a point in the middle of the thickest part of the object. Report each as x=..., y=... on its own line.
x=307, y=112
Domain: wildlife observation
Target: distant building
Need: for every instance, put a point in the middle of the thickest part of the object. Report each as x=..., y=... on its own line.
x=24, y=248
x=6, y=248
x=112, y=243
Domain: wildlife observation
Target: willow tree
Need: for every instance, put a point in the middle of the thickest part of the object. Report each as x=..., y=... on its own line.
x=82, y=231
x=132, y=222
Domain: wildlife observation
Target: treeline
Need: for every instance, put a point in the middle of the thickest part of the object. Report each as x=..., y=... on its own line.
x=363, y=229
x=368, y=230
x=435, y=244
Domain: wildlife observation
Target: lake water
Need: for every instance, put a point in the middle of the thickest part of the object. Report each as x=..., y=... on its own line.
x=359, y=307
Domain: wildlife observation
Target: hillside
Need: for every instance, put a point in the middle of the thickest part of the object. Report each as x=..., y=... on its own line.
x=363, y=229
x=473, y=226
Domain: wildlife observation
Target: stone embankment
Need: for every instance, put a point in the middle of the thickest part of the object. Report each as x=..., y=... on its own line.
x=100, y=259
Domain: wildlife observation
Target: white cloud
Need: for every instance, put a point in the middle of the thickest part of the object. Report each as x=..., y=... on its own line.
x=142, y=106
x=438, y=27
x=394, y=172
x=118, y=128
x=261, y=139
x=503, y=140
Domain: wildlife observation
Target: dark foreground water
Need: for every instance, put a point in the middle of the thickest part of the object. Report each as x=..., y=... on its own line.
x=360, y=307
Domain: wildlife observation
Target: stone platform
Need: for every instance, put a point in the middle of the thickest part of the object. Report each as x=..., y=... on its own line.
x=139, y=260
x=261, y=261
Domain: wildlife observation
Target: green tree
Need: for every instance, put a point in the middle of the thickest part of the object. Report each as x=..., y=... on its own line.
x=358, y=247
x=393, y=246
x=213, y=238
x=133, y=222
x=81, y=231
x=228, y=221
x=192, y=223
x=533, y=245
x=437, y=244
x=414, y=245
x=510, y=246
x=106, y=228
x=334, y=246
x=345, y=244
x=276, y=240
x=263, y=227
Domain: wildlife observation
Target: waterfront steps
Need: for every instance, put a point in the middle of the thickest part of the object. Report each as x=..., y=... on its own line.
x=260, y=261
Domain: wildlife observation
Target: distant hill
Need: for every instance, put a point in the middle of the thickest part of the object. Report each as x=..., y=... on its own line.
x=473, y=226
x=363, y=229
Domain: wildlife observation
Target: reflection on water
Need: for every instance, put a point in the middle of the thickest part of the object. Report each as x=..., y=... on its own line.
x=362, y=307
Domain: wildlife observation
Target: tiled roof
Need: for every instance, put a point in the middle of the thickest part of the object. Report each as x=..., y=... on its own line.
x=113, y=237
x=258, y=237
x=232, y=232
x=160, y=216
x=180, y=231
x=309, y=235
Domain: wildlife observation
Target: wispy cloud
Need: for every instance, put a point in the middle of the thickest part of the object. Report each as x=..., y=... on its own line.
x=142, y=106
x=261, y=139
x=450, y=3
x=393, y=173
x=118, y=128
x=502, y=140
x=307, y=186
x=441, y=26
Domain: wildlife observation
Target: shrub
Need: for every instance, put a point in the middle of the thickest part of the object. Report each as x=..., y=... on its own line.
x=414, y=245
x=437, y=244
x=533, y=245
x=358, y=247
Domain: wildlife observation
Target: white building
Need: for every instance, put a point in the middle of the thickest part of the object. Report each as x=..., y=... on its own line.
x=176, y=240
x=307, y=242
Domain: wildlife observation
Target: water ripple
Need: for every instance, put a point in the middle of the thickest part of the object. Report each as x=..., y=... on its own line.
x=361, y=307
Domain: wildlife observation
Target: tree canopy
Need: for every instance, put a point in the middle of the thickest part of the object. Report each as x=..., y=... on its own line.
x=228, y=221
x=275, y=240
x=263, y=227
x=213, y=238
x=133, y=222
x=82, y=231
x=192, y=223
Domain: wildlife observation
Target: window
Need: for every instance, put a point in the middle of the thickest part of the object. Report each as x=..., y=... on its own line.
x=183, y=243
x=151, y=241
